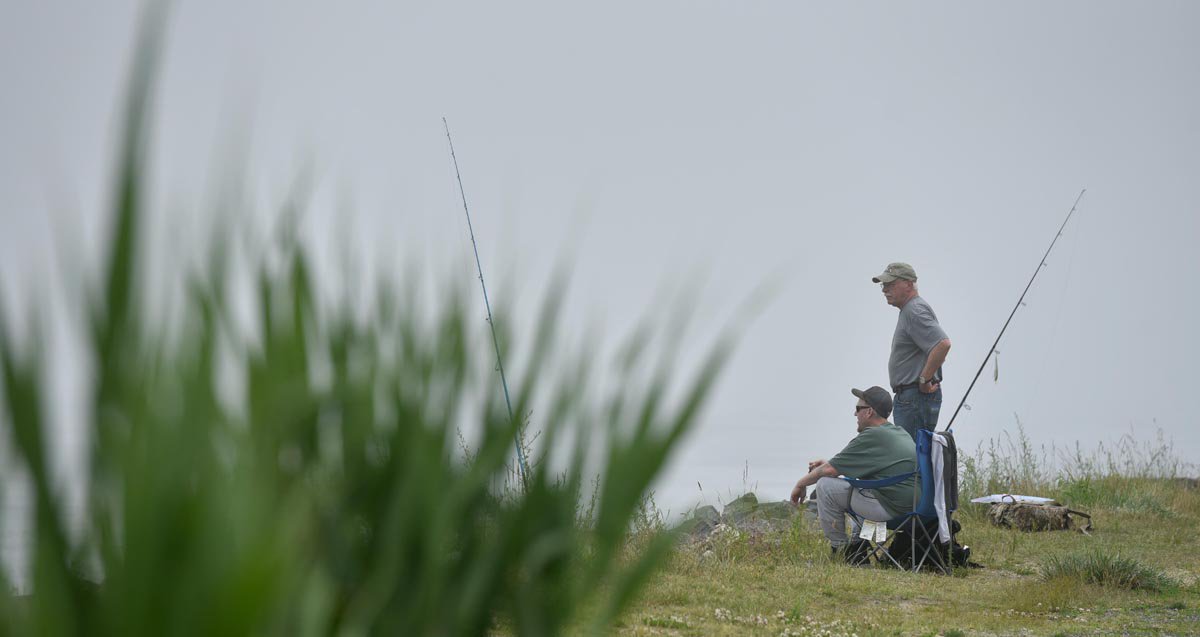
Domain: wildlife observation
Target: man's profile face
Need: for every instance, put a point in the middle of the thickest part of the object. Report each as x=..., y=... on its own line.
x=897, y=292
x=862, y=413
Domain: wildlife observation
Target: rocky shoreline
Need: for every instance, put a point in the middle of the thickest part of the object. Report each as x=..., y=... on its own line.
x=746, y=515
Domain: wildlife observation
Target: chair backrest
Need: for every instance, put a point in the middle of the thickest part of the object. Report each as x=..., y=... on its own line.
x=925, y=473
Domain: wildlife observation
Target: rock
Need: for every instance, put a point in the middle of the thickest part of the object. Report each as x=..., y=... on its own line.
x=723, y=535
x=777, y=511
x=771, y=517
x=700, y=523
x=690, y=526
x=745, y=515
x=707, y=513
x=739, y=509
x=768, y=517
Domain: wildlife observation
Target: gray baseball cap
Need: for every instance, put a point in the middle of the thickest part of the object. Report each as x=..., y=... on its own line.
x=877, y=398
x=896, y=271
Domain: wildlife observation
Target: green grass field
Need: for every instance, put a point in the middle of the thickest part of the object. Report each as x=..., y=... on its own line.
x=787, y=584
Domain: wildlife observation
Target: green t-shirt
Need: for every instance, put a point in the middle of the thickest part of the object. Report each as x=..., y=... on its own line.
x=882, y=452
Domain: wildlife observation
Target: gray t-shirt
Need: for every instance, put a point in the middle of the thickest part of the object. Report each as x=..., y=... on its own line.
x=917, y=331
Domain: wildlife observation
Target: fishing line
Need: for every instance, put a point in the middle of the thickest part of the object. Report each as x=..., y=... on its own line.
x=1020, y=302
x=1041, y=387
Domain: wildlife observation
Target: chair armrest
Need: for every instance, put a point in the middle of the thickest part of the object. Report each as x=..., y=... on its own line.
x=882, y=482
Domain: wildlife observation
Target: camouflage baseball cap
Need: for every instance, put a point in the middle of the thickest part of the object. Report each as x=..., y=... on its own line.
x=896, y=271
x=877, y=398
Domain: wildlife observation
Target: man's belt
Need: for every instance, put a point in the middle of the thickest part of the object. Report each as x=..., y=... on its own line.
x=899, y=388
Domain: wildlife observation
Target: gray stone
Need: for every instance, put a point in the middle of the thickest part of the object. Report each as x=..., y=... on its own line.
x=740, y=509
x=746, y=515
x=772, y=516
x=777, y=510
x=757, y=526
x=690, y=526
x=707, y=513
x=700, y=523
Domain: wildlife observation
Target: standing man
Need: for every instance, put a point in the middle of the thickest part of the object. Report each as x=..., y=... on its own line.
x=919, y=348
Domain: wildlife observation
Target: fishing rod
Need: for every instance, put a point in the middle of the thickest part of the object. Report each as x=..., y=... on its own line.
x=1020, y=301
x=522, y=465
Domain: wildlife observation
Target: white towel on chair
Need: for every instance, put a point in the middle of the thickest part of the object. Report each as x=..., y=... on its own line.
x=939, y=487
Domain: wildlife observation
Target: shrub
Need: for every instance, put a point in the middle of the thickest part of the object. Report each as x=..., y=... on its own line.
x=1102, y=569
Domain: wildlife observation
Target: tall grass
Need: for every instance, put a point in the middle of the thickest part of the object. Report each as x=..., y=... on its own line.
x=1131, y=473
x=329, y=495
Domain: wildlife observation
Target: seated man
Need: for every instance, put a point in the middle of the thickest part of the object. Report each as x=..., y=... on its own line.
x=880, y=450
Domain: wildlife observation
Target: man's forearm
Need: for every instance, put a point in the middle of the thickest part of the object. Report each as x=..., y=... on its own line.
x=937, y=356
x=823, y=471
x=816, y=473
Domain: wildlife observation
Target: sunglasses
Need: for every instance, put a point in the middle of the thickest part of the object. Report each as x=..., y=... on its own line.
x=858, y=408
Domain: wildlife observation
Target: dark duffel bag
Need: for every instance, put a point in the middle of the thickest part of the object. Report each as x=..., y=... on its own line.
x=1027, y=516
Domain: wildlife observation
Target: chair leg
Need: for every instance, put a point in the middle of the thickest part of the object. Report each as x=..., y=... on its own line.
x=932, y=549
x=915, y=547
x=874, y=553
x=880, y=553
x=924, y=551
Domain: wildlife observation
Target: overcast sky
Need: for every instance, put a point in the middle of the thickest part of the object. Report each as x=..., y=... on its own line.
x=721, y=143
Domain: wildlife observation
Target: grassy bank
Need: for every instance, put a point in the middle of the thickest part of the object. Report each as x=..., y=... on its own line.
x=1138, y=572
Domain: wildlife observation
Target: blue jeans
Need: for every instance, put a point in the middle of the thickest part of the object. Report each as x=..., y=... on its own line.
x=913, y=410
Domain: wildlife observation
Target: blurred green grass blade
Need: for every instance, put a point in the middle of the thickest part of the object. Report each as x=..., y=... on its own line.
x=113, y=320
x=632, y=579
x=643, y=456
x=324, y=495
x=57, y=586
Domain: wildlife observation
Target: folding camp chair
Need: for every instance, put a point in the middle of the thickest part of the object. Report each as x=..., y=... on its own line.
x=919, y=528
